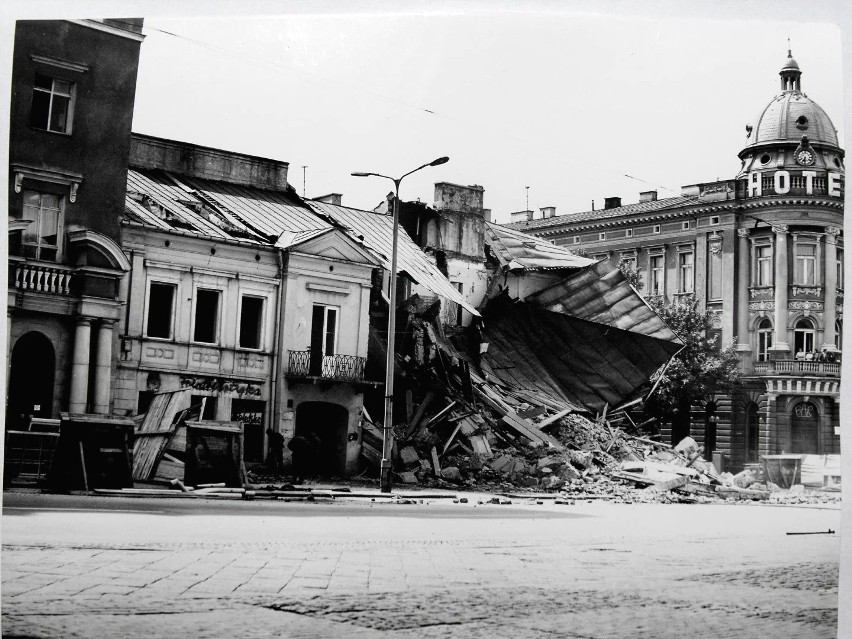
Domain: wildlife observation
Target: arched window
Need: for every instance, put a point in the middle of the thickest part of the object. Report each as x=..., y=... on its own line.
x=838, y=335
x=764, y=339
x=803, y=336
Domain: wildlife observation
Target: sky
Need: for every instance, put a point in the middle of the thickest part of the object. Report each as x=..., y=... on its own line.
x=540, y=103
x=577, y=107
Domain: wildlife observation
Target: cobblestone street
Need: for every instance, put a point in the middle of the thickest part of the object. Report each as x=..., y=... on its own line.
x=435, y=569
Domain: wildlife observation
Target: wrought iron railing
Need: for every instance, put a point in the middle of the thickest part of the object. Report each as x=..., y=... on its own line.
x=797, y=367
x=337, y=367
x=39, y=276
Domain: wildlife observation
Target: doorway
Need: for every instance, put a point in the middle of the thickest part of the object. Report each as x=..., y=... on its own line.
x=324, y=426
x=804, y=429
x=31, y=380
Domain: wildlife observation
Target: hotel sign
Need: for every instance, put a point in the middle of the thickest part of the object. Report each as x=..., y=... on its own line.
x=781, y=182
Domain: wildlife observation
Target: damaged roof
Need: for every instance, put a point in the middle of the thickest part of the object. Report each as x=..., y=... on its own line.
x=227, y=211
x=601, y=293
x=375, y=231
x=519, y=251
x=580, y=361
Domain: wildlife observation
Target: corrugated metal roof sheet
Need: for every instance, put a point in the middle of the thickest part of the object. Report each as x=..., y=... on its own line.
x=583, y=362
x=601, y=293
x=375, y=231
x=519, y=250
x=603, y=214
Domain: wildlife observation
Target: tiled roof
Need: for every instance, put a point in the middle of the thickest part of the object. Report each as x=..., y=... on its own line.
x=375, y=231
x=523, y=251
x=652, y=206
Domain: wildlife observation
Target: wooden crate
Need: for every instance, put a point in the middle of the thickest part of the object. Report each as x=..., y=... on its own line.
x=214, y=453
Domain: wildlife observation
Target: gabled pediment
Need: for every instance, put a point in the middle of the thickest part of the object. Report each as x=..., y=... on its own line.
x=336, y=245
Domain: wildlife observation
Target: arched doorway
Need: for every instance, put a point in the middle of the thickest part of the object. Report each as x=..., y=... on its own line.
x=804, y=429
x=31, y=380
x=324, y=426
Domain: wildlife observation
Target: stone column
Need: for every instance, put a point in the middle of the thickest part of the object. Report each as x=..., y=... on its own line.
x=830, y=287
x=103, y=369
x=743, y=284
x=80, y=366
x=780, y=349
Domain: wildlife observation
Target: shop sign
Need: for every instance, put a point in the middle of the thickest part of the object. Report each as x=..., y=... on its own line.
x=220, y=385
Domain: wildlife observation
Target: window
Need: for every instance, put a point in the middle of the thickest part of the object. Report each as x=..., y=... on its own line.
x=206, y=316
x=764, y=340
x=656, y=228
x=576, y=239
x=803, y=336
x=714, y=271
x=451, y=312
x=324, y=329
x=685, y=226
x=657, y=273
x=805, y=264
x=686, y=272
x=628, y=233
x=714, y=220
x=160, y=310
x=251, y=321
x=838, y=335
x=601, y=236
x=764, y=266
x=41, y=237
x=840, y=269
x=53, y=103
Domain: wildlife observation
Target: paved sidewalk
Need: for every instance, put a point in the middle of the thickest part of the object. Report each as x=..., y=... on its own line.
x=609, y=571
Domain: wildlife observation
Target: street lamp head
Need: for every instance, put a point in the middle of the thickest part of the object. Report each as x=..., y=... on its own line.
x=359, y=174
x=442, y=160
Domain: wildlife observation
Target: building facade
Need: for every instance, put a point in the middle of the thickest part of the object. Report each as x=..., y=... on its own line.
x=73, y=89
x=764, y=253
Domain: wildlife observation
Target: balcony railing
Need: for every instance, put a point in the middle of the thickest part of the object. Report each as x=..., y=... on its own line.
x=797, y=367
x=39, y=276
x=332, y=367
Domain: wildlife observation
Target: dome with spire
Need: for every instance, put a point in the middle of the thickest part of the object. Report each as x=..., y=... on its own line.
x=792, y=114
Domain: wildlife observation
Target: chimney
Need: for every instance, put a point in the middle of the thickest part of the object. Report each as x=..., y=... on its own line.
x=648, y=196
x=486, y=214
x=519, y=216
x=331, y=198
x=612, y=202
x=548, y=212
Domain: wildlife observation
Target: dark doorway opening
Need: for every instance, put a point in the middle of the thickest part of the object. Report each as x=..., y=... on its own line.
x=31, y=380
x=324, y=427
x=710, y=422
x=752, y=451
x=804, y=429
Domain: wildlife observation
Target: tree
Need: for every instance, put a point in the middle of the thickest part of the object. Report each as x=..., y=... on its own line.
x=631, y=273
x=699, y=370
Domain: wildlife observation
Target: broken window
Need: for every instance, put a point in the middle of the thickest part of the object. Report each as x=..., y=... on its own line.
x=208, y=412
x=160, y=310
x=250, y=413
x=206, y=316
x=52, y=106
x=251, y=321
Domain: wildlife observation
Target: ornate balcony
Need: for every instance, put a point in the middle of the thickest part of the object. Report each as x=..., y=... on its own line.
x=42, y=277
x=344, y=368
x=797, y=367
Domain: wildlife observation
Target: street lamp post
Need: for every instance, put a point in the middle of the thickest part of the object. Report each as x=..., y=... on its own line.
x=391, y=358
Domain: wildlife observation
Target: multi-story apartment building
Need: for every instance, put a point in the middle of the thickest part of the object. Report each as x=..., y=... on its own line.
x=764, y=252
x=73, y=89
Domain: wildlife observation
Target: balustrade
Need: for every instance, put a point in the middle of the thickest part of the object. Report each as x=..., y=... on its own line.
x=332, y=367
x=44, y=278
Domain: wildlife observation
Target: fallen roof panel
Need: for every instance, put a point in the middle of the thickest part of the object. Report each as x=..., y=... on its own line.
x=518, y=250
